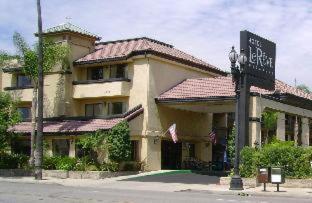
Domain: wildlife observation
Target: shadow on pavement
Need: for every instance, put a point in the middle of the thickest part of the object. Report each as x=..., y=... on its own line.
x=184, y=178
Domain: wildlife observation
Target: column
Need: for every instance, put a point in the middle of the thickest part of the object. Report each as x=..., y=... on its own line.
x=280, y=130
x=72, y=148
x=49, y=150
x=296, y=131
x=151, y=153
x=305, y=132
x=254, y=122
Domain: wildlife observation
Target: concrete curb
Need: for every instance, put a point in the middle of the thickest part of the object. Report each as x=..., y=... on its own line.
x=289, y=183
x=254, y=193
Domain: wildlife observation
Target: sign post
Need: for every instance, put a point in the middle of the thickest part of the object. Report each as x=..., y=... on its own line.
x=257, y=68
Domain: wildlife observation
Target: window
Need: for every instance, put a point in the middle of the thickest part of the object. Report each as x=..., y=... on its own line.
x=118, y=71
x=116, y=108
x=134, y=150
x=60, y=147
x=289, y=127
x=94, y=109
x=310, y=139
x=191, y=150
x=24, y=112
x=20, y=147
x=95, y=73
x=23, y=81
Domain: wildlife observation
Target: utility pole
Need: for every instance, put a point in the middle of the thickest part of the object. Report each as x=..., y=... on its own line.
x=39, y=137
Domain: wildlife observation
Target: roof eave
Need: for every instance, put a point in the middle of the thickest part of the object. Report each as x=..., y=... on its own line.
x=152, y=52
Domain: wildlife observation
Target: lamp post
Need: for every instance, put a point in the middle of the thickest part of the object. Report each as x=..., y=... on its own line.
x=241, y=90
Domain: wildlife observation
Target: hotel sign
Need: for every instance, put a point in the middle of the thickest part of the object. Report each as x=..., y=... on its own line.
x=261, y=54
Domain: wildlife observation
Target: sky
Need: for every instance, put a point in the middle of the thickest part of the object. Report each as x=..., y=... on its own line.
x=204, y=28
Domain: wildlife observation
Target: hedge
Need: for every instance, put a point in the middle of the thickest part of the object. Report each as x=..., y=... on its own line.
x=294, y=160
x=13, y=161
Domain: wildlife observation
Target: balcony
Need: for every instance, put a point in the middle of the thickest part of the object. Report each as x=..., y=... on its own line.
x=23, y=94
x=101, y=88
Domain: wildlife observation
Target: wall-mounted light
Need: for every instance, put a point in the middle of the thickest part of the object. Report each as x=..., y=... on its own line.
x=156, y=139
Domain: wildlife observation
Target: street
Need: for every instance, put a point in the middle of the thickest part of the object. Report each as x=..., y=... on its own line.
x=31, y=192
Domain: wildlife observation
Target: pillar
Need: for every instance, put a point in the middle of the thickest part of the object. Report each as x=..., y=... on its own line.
x=49, y=150
x=305, y=135
x=151, y=153
x=255, y=111
x=72, y=148
x=280, y=130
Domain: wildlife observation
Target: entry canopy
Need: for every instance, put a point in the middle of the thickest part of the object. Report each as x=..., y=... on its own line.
x=261, y=54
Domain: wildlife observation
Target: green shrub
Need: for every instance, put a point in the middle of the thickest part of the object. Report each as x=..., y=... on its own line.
x=248, y=162
x=91, y=167
x=119, y=144
x=49, y=163
x=13, y=161
x=66, y=163
x=59, y=163
x=294, y=160
x=111, y=166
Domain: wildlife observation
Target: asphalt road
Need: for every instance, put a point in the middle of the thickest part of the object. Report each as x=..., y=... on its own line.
x=28, y=192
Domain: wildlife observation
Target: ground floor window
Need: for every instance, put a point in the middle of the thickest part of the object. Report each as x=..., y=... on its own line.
x=191, y=148
x=310, y=140
x=24, y=112
x=134, y=150
x=21, y=147
x=60, y=147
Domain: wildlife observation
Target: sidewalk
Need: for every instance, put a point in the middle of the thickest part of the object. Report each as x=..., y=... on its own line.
x=155, y=181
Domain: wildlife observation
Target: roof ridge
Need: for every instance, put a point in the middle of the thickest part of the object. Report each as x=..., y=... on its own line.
x=69, y=27
x=135, y=39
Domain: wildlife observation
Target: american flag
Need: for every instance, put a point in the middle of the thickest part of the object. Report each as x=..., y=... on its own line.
x=212, y=137
x=173, y=133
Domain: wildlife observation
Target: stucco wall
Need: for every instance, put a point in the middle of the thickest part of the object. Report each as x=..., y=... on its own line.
x=163, y=76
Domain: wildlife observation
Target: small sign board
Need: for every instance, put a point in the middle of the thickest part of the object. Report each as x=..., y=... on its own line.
x=263, y=175
x=261, y=54
x=277, y=175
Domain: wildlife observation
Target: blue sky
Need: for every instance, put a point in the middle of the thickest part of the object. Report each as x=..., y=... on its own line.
x=204, y=28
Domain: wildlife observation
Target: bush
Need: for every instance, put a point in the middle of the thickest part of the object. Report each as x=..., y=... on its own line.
x=49, y=163
x=119, y=144
x=248, y=166
x=13, y=161
x=294, y=160
x=110, y=166
x=59, y=163
x=66, y=163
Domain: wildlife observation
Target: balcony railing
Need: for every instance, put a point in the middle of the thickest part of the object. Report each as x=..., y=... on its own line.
x=101, y=88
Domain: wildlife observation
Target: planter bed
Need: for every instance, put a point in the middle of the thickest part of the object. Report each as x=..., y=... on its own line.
x=15, y=172
x=61, y=174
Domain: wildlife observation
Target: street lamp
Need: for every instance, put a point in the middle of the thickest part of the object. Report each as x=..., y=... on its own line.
x=237, y=77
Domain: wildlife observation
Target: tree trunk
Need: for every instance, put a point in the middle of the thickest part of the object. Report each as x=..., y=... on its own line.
x=39, y=137
x=33, y=126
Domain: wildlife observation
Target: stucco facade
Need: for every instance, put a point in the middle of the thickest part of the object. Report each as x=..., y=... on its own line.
x=145, y=76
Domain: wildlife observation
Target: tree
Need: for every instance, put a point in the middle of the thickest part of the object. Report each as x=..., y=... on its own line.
x=269, y=122
x=304, y=88
x=54, y=53
x=6, y=57
x=9, y=116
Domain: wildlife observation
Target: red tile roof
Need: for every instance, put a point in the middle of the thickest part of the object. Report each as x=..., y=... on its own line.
x=78, y=126
x=221, y=87
x=124, y=49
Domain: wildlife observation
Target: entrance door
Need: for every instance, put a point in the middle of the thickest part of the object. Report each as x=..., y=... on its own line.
x=171, y=155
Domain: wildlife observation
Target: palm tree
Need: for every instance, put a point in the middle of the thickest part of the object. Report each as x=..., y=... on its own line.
x=39, y=137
